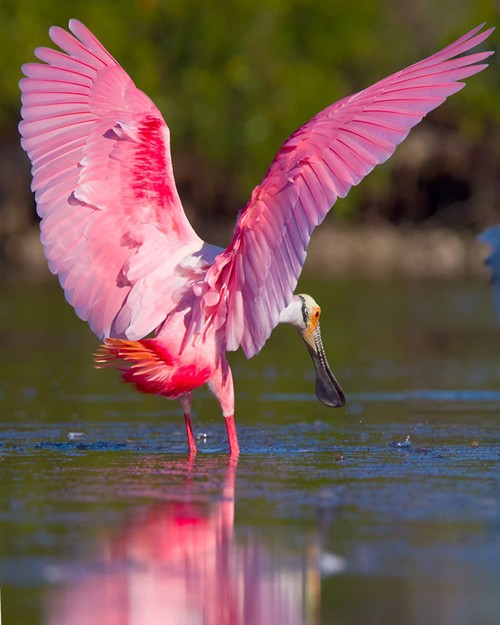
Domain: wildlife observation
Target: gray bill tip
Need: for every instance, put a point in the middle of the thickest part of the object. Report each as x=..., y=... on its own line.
x=328, y=390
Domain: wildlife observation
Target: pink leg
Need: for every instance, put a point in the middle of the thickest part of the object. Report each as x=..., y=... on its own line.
x=222, y=385
x=185, y=401
x=234, y=448
x=189, y=432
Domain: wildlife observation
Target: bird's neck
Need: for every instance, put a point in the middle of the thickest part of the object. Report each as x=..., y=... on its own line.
x=293, y=313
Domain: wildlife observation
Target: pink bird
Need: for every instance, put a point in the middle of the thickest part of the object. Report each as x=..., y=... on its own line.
x=114, y=230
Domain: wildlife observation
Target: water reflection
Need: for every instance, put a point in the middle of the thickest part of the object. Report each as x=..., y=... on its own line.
x=179, y=563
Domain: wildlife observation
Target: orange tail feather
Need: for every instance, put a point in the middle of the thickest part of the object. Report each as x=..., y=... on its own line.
x=143, y=363
x=149, y=366
x=114, y=350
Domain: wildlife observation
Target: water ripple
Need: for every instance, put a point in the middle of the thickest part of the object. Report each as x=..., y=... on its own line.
x=417, y=394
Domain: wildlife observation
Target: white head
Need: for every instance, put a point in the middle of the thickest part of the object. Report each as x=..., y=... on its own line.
x=304, y=313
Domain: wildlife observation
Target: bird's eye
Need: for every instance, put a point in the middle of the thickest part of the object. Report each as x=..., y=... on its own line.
x=316, y=313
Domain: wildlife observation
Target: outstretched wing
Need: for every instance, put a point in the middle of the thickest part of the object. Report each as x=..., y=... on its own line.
x=111, y=217
x=253, y=279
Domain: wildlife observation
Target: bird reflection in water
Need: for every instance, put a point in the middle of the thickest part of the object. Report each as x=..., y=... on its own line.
x=179, y=563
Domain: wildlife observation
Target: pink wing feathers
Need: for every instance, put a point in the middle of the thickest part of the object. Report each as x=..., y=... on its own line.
x=113, y=227
x=112, y=222
x=254, y=278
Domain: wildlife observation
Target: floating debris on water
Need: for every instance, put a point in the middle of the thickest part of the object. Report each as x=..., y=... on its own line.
x=331, y=563
x=75, y=436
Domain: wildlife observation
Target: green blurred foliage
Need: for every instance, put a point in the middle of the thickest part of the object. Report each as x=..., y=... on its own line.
x=235, y=78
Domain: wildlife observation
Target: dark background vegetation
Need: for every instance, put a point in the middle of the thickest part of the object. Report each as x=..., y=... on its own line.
x=234, y=79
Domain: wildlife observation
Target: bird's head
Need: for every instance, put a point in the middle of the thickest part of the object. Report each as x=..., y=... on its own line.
x=304, y=313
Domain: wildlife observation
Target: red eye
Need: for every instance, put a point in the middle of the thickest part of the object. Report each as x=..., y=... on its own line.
x=316, y=314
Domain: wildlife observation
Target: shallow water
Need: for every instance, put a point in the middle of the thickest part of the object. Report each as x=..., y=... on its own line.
x=387, y=511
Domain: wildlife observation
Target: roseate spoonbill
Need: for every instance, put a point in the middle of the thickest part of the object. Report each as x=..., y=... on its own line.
x=114, y=230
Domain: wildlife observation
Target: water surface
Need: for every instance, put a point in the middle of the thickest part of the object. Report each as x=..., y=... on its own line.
x=387, y=511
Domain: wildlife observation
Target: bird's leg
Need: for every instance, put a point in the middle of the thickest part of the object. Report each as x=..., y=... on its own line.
x=222, y=385
x=232, y=437
x=185, y=401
